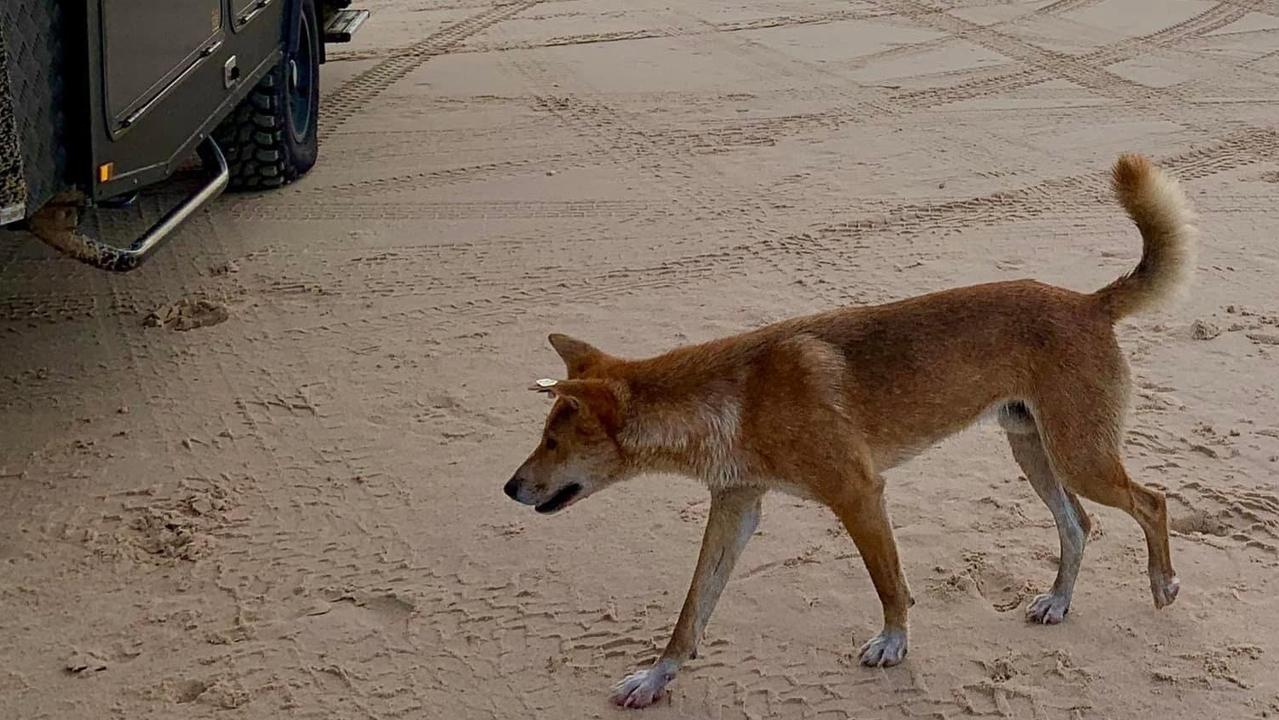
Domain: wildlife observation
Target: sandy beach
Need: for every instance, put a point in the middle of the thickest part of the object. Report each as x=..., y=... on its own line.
x=261, y=477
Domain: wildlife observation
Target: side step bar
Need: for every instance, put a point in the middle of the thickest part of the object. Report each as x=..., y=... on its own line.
x=343, y=24
x=62, y=235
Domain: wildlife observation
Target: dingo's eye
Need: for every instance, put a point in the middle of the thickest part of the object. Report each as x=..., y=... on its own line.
x=551, y=443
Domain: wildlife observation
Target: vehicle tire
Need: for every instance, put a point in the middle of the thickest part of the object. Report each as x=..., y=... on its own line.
x=270, y=139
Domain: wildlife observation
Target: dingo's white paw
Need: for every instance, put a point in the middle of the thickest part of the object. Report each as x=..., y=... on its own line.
x=885, y=649
x=643, y=688
x=1164, y=589
x=1048, y=609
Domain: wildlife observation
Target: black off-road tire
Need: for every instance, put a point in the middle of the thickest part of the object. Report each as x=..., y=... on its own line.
x=270, y=139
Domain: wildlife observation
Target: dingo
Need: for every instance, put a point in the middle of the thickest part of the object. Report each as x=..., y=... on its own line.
x=820, y=406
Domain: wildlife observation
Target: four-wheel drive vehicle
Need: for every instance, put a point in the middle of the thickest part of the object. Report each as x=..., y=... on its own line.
x=99, y=98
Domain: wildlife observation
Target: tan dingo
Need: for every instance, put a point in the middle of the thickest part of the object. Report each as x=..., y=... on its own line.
x=820, y=406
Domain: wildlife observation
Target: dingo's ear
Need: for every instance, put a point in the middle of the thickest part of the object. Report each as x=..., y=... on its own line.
x=578, y=356
x=599, y=398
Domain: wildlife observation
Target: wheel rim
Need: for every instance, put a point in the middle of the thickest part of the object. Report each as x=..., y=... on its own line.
x=300, y=72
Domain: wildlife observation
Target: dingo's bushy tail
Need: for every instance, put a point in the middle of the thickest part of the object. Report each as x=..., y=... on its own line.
x=1155, y=203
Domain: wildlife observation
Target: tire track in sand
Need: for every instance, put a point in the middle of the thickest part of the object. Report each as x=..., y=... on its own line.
x=444, y=176
x=1265, y=7
x=1066, y=194
x=495, y=210
x=1060, y=7
x=1088, y=73
x=764, y=132
x=1049, y=65
x=767, y=131
x=338, y=106
x=769, y=253
x=777, y=21
x=615, y=136
x=989, y=83
x=766, y=23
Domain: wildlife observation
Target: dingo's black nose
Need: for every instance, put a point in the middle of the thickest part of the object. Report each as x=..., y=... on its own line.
x=512, y=487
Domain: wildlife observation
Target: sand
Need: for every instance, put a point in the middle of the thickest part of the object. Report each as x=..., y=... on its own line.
x=295, y=508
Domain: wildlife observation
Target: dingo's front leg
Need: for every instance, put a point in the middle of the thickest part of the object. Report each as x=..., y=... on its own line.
x=733, y=518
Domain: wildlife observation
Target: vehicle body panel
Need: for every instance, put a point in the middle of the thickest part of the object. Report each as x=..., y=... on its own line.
x=146, y=44
x=147, y=118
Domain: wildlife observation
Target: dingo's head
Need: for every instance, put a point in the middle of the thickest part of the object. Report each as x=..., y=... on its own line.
x=579, y=452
